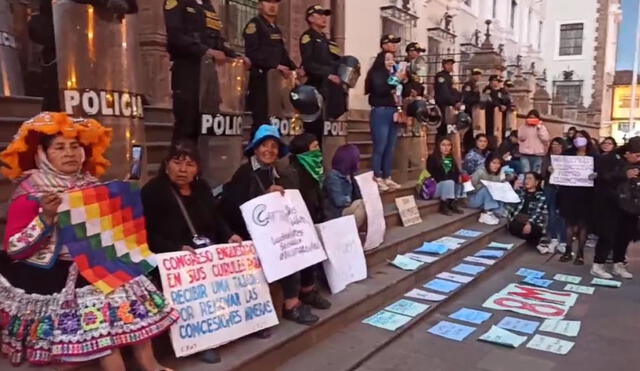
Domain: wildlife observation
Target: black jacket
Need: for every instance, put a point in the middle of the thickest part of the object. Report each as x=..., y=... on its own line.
x=445, y=93
x=310, y=191
x=167, y=229
x=380, y=91
x=264, y=45
x=470, y=95
x=434, y=167
x=320, y=57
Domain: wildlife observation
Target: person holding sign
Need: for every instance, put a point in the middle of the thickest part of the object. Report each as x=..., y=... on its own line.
x=534, y=139
x=556, y=231
x=444, y=170
x=575, y=203
x=528, y=218
x=50, y=312
x=480, y=197
x=258, y=177
x=181, y=213
x=618, y=174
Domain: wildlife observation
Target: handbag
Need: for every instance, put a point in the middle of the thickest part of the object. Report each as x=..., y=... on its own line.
x=198, y=241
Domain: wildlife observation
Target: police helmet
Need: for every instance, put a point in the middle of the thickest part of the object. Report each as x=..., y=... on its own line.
x=349, y=70
x=307, y=101
x=463, y=121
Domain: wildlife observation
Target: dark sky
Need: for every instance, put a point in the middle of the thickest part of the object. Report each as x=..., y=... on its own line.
x=626, y=38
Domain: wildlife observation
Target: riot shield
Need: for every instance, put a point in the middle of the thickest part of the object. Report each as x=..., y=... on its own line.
x=10, y=73
x=98, y=69
x=281, y=112
x=222, y=102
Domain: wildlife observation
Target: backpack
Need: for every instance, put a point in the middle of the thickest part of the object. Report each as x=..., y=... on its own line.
x=629, y=196
x=426, y=186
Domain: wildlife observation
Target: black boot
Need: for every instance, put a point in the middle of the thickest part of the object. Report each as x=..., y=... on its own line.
x=300, y=314
x=444, y=208
x=453, y=206
x=315, y=300
x=567, y=254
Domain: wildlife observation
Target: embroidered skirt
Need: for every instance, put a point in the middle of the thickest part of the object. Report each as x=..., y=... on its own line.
x=79, y=324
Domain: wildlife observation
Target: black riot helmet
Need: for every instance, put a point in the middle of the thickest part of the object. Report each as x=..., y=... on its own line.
x=349, y=70
x=307, y=101
x=463, y=121
x=424, y=112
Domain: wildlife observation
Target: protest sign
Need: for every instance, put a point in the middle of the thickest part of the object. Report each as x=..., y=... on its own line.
x=221, y=295
x=501, y=191
x=387, y=320
x=283, y=233
x=408, y=210
x=346, y=262
x=550, y=344
x=528, y=307
x=502, y=337
x=518, y=324
x=566, y=328
x=539, y=294
x=572, y=171
x=452, y=331
x=376, y=225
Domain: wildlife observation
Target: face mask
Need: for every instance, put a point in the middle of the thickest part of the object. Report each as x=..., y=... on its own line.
x=312, y=162
x=533, y=121
x=580, y=142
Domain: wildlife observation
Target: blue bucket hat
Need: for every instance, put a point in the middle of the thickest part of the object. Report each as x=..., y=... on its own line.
x=265, y=132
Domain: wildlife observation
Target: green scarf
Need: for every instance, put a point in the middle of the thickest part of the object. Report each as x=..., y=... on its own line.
x=447, y=164
x=312, y=161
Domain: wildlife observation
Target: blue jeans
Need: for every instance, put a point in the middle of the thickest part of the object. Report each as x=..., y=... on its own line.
x=448, y=190
x=384, y=134
x=556, y=227
x=482, y=200
x=531, y=163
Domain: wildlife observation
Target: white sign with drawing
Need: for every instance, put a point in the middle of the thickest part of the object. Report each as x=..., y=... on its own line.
x=376, y=225
x=572, y=171
x=408, y=210
x=501, y=191
x=283, y=233
x=346, y=262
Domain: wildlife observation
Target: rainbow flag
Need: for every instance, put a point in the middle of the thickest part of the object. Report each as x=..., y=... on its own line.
x=104, y=229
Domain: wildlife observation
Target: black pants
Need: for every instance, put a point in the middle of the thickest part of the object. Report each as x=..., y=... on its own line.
x=185, y=83
x=620, y=231
x=292, y=284
x=257, y=100
x=515, y=228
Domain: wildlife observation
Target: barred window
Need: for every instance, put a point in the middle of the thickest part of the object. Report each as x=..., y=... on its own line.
x=571, y=91
x=571, y=36
x=237, y=14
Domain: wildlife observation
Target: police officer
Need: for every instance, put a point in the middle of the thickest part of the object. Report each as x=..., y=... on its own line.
x=389, y=43
x=265, y=48
x=446, y=95
x=320, y=60
x=496, y=99
x=471, y=98
x=413, y=87
x=193, y=31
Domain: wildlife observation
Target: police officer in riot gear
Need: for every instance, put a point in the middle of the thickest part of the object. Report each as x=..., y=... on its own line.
x=446, y=95
x=413, y=87
x=471, y=98
x=265, y=48
x=320, y=60
x=193, y=31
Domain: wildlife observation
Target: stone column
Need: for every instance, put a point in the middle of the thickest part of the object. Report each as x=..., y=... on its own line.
x=557, y=106
x=156, y=77
x=542, y=101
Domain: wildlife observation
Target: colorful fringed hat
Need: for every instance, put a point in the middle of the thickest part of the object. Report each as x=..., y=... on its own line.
x=20, y=155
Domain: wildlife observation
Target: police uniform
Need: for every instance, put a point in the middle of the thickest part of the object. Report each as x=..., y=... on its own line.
x=413, y=81
x=497, y=99
x=320, y=58
x=193, y=27
x=265, y=48
x=470, y=98
x=445, y=95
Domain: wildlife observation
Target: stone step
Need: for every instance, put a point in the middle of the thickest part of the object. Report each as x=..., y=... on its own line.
x=353, y=344
x=364, y=146
x=356, y=135
x=157, y=151
x=392, y=215
x=158, y=131
x=384, y=284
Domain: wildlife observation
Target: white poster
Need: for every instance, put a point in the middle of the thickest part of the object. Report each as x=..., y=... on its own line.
x=283, y=232
x=572, y=171
x=346, y=262
x=408, y=210
x=501, y=191
x=221, y=295
x=376, y=225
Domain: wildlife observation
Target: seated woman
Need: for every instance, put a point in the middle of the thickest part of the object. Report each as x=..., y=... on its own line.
x=475, y=159
x=442, y=167
x=258, y=177
x=306, y=160
x=528, y=218
x=341, y=192
x=180, y=211
x=53, y=154
x=480, y=198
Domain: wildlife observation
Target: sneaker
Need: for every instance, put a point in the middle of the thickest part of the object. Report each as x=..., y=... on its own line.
x=391, y=184
x=315, y=300
x=620, y=270
x=598, y=271
x=553, y=245
x=543, y=247
x=592, y=241
x=300, y=314
x=382, y=185
x=561, y=248
x=489, y=219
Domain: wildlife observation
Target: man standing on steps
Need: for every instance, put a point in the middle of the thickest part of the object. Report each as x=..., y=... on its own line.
x=193, y=32
x=471, y=98
x=320, y=59
x=265, y=49
x=446, y=95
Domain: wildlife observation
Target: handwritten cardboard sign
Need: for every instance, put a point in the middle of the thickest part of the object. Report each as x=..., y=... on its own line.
x=376, y=225
x=283, y=233
x=501, y=191
x=408, y=210
x=572, y=171
x=221, y=295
